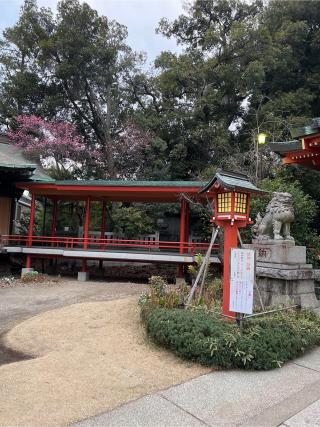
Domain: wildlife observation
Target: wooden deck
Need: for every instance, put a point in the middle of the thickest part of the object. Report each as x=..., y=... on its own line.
x=105, y=249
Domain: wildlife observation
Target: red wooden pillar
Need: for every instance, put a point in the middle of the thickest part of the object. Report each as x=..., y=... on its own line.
x=103, y=220
x=31, y=226
x=86, y=231
x=183, y=217
x=230, y=241
x=54, y=220
x=103, y=229
x=184, y=208
x=186, y=232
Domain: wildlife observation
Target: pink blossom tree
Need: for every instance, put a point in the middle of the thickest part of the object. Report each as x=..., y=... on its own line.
x=129, y=151
x=65, y=155
x=57, y=144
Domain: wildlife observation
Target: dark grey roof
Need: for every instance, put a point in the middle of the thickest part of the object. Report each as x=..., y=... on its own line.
x=285, y=146
x=232, y=181
x=12, y=157
x=313, y=128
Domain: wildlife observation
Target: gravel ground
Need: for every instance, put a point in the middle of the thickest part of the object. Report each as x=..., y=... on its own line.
x=89, y=358
x=20, y=301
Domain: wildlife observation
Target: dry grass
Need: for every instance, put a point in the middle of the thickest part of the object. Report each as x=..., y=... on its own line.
x=92, y=357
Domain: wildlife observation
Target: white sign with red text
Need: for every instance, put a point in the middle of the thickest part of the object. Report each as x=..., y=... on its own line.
x=242, y=277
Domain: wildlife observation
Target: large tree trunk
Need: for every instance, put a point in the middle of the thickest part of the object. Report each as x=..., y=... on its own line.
x=102, y=126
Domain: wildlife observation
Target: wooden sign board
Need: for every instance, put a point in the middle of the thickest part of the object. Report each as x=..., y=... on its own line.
x=242, y=278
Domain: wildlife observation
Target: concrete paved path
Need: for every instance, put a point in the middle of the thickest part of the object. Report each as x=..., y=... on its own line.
x=288, y=396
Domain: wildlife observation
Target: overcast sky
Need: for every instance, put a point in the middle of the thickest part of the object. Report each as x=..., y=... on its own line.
x=141, y=17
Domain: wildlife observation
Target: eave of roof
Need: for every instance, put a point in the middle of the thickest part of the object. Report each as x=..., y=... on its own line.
x=127, y=183
x=285, y=146
x=123, y=183
x=232, y=181
x=304, y=131
x=113, y=190
x=30, y=166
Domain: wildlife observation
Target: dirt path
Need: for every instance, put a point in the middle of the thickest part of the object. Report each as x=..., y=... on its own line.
x=91, y=357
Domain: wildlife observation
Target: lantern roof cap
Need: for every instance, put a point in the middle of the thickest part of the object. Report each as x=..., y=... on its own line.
x=233, y=181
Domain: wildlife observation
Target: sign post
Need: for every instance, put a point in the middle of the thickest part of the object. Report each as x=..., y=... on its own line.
x=242, y=279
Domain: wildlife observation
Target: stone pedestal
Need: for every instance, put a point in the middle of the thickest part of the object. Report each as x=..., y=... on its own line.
x=283, y=277
x=83, y=276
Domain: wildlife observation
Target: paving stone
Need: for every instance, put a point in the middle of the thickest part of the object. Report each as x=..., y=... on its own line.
x=310, y=360
x=234, y=397
x=149, y=411
x=308, y=417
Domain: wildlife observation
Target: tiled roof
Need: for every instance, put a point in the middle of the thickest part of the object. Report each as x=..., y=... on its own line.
x=285, y=146
x=12, y=157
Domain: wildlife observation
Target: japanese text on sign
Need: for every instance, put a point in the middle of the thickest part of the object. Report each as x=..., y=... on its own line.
x=242, y=277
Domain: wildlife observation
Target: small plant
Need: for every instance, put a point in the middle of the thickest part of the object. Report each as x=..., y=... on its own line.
x=194, y=268
x=210, y=292
x=158, y=284
x=160, y=294
x=33, y=277
x=211, y=295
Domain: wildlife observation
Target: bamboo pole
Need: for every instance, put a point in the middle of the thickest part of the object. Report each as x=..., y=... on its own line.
x=203, y=265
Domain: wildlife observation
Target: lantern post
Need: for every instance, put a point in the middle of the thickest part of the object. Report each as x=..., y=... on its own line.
x=231, y=194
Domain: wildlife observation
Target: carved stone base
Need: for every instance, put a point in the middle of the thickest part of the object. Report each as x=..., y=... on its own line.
x=280, y=253
x=283, y=277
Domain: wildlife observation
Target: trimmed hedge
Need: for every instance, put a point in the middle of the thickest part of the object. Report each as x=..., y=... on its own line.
x=264, y=343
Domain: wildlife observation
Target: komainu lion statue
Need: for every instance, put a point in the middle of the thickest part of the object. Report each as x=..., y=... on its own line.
x=275, y=225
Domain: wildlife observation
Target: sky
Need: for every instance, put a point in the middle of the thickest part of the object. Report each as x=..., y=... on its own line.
x=141, y=17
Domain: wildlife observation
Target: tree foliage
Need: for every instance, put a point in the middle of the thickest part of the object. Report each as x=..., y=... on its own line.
x=132, y=222
x=245, y=67
x=71, y=66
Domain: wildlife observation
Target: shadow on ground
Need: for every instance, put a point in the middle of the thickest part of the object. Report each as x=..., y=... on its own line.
x=8, y=355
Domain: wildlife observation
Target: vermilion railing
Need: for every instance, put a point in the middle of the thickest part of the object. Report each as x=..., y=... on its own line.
x=104, y=244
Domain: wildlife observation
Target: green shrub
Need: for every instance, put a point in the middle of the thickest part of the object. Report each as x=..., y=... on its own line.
x=263, y=343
